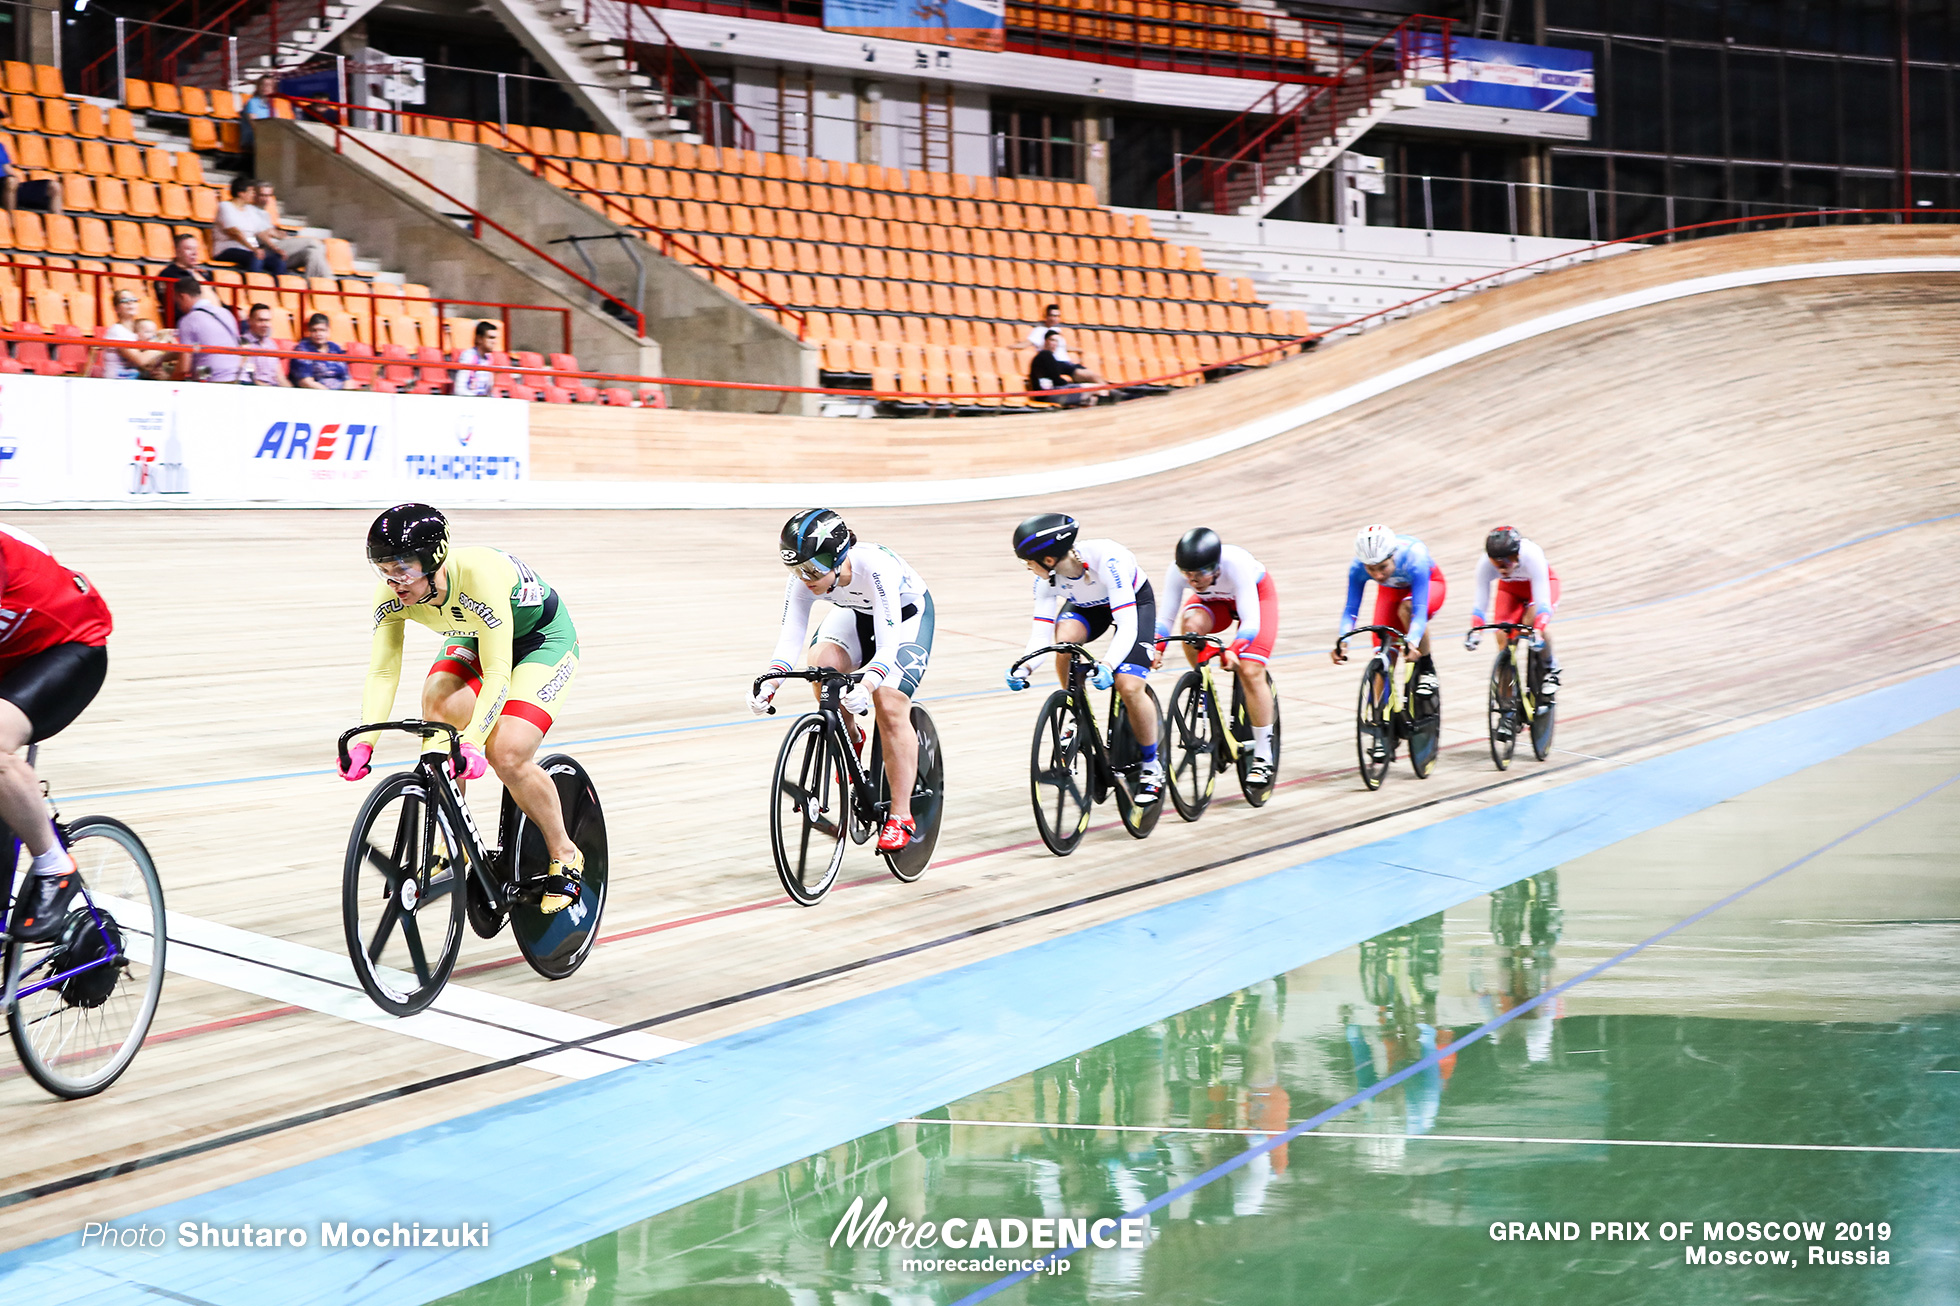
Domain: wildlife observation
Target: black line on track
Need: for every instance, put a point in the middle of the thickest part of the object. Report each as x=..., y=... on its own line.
x=71, y=1182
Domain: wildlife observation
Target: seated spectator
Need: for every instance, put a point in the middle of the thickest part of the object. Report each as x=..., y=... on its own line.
x=119, y=364
x=258, y=106
x=202, y=320
x=17, y=192
x=1051, y=322
x=235, y=235
x=258, y=335
x=477, y=384
x=189, y=262
x=307, y=254
x=1048, y=372
x=326, y=373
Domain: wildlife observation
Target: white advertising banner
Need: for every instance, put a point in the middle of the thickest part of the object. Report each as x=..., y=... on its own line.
x=75, y=440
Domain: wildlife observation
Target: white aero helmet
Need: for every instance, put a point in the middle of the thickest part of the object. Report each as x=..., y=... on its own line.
x=1374, y=545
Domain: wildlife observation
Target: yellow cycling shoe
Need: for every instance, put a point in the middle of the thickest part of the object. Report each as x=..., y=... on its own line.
x=562, y=883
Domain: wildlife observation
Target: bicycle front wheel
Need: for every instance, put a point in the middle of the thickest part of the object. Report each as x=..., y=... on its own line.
x=77, y=1035
x=809, y=811
x=1058, y=773
x=401, y=896
x=1503, y=711
x=1374, y=736
x=1193, y=769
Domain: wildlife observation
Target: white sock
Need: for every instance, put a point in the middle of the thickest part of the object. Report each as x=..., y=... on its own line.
x=47, y=863
x=1262, y=743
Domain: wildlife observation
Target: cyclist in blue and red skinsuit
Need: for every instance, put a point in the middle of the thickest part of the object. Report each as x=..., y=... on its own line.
x=54, y=635
x=1409, y=590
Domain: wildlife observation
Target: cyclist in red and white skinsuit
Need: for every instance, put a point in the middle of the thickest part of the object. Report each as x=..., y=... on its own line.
x=1526, y=584
x=54, y=635
x=1226, y=584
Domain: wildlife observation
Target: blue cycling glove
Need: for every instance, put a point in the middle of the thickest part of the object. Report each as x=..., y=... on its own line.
x=1016, y=683
x=1102, y=677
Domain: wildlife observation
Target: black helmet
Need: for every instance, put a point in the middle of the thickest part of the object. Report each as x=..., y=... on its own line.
x=816, y=541
x=409, y=531
x=1199, y=550
x=1503, y=542
x=1045, y=535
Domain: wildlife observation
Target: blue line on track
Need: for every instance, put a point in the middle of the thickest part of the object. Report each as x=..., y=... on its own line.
x=550, y=1170
x=984, y=693
x=1437, y=1057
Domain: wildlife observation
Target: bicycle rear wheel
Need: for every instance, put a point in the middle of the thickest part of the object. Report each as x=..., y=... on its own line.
x=809, y=811
x=1126, y=762
x=556, y=945
x=77, y=1037
x=1502, y=710
x=1374, y=736
x=1544, y=713
x=1425, y=731
x=1058, y=773
x=401, y=896
x=1255, y=795
x=928, y=800
x=1193, y=757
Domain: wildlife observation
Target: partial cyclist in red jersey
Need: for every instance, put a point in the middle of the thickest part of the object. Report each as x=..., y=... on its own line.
x=54, y=636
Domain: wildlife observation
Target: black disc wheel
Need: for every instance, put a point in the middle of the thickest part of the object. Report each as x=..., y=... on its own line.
x=401, y=896
x=1060, y=782
x=1425, y=729
x=1255, y=795
x=1193, y=753
x=1544, y=712
x=1374, y=735
x=77, y=1035
x=557, y=944
x=1503, y=711
x=1126, y=762
x=928, y=800
x=809, y=811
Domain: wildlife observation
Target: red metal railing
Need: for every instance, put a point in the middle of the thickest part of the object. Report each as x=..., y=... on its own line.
x=611, y=206
x=202, y=47
x=1275, y=133
x=707, y=95
x=312, y=109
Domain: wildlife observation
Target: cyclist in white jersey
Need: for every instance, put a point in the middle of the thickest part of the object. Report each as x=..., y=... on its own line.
x=1226, y=584
x=882, y=624
x=1527, y=592
x=1083, y=588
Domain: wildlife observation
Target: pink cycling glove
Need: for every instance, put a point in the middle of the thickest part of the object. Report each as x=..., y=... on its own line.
x=357, y=757
x=475, y=764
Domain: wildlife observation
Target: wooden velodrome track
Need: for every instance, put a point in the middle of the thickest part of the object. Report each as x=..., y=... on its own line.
x=1659, y=455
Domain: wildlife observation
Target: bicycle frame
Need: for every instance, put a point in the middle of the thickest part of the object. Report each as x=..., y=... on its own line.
x=1400, y=669
x=1206, y=668
x=8, y=869
x=451, y=807
x=1518, y=649
x=830, y=689
x=1080, y=662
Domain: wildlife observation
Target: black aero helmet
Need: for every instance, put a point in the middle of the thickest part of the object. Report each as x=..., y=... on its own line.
x=1503, y=542
x=409, y=532
x=1199, y=550
x=815, y=541
x=1045, y=535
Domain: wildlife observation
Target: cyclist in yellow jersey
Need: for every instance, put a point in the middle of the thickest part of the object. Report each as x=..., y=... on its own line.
x=509, y=655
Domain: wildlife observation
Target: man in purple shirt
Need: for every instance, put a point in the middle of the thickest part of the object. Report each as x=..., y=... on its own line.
x=258, y=335
x=202, y=320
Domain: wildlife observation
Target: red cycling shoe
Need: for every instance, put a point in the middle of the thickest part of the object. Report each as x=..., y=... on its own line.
x=897, y=834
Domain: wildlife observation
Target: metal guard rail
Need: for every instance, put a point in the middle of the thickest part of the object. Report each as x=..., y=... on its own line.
x=342, y=132
x=570, y=183
x=1050, y=396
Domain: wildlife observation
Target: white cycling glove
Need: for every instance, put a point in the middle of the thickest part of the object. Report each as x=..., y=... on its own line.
x=761, y=699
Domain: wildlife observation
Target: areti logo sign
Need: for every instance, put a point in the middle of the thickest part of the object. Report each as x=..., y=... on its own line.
x=331, y=442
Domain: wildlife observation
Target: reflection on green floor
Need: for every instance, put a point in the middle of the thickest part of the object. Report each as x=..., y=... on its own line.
x=1391, y=1203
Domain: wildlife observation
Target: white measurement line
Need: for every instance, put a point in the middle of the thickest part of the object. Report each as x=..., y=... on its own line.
x=1439, y=1138
x=467, y=1019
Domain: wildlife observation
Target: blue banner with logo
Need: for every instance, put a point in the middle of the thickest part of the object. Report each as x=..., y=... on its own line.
x=1503, y=75
x=969, y=24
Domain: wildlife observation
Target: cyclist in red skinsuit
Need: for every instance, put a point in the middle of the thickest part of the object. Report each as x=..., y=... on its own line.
x=54, y=635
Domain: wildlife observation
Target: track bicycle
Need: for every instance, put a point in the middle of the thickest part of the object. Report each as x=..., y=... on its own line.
x=823, y=793
x=79, y=1004
x=417, y=865
x=1521, y=662
x=1073, y=766
x=1200, y=744
x=1388, y=711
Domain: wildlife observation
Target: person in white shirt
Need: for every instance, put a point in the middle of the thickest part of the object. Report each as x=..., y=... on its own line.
x=235, y=235
x=1083, y=588
x=1226, y=584
x=1527, y=592
x=477, y=383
